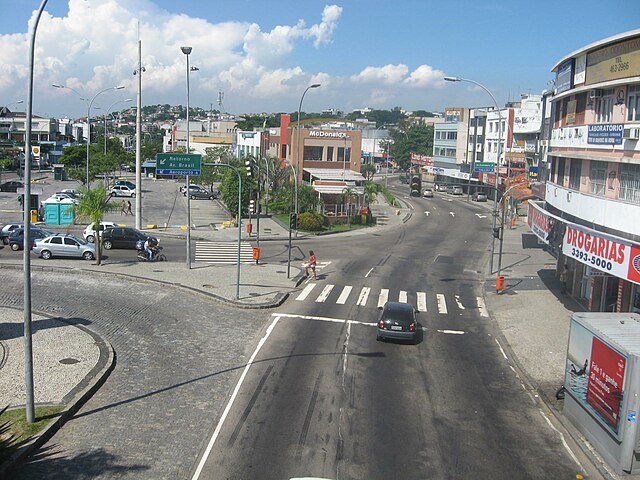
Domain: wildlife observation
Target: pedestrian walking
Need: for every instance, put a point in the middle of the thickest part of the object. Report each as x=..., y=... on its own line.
x=129, y=212
x=41, y=213
x=311, y=265
x=123, y=209
x=564, y=278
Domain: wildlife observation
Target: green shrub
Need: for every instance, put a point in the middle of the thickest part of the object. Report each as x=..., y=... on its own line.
x=311, y=221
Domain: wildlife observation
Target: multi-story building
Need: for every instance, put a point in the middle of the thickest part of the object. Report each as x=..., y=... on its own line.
x=591, y=213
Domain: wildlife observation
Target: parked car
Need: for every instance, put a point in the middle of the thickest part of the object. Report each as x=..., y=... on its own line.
x=123, y=237
x=457, y=191
x=63, y=196
x=16, y=238
x=122, y=191
x=89, y=233
x=71, y=191
x=397, y=321
x=11, y=186
x=129, y=184
x=6, y=231
x=60, y=245
x=196, y=191
x=479, y=197
x=427, y=193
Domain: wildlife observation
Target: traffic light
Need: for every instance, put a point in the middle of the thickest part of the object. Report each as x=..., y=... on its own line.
x=293, y=221
x=497, y=231
x=248, y=166
x=252, y=206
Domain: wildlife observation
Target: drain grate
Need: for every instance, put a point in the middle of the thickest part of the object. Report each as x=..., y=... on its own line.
x=69, y=361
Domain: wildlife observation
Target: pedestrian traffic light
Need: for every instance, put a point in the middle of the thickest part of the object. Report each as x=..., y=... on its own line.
x=248, y=166
x=252, y=206
x=293, y=221
x=497, y=231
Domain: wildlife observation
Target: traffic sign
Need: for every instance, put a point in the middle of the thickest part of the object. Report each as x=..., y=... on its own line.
x=484, y=167
x=178, y=164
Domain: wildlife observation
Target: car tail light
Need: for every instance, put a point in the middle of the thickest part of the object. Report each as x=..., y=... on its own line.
x=412, y=327
x=380, y=324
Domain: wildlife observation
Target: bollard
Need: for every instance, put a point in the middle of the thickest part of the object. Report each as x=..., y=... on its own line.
x=513, y=222
x=499, y=283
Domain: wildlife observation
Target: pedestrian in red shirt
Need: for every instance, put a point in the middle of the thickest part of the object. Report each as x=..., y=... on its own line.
x=311, y=265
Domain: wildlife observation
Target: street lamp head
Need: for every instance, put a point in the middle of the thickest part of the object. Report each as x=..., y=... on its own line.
x=186, y=50
x=19, y=101
x=194, y=69
x=315, y=85
x=453, y=79
x=119, y=87
x=57, y=86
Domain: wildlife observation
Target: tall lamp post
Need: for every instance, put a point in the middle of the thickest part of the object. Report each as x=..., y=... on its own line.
x=295, y=180
x=187, y=52
x=315, y=85
x=119, y=87
x=497, y=166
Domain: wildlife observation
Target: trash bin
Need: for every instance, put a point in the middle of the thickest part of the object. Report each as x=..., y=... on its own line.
x=256, y=254
x=499, y=283
x=249, y=226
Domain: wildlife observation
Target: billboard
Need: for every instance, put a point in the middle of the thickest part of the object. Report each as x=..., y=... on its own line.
x=605, y=134
x=621, y=60
x=564, y=76
x=594, y=375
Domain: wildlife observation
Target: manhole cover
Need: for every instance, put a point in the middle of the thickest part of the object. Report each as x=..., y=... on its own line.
x=69, y=361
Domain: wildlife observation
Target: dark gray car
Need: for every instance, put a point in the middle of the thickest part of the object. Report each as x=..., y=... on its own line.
x=398, y=322
x=196, y=191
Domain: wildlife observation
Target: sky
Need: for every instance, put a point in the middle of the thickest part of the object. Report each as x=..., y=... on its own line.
x=262, y=55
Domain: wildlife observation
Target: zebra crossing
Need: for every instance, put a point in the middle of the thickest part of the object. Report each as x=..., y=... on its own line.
x=223, y=252
x=365, y=294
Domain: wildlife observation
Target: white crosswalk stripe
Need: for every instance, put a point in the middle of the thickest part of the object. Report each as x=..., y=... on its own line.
x=324, y=294
x=422, y=301
x=383, y=297
x=223, y=252
x=442, y=303
x=342, y=299
x=364, y=295
x=402, y=298
x=305, y=293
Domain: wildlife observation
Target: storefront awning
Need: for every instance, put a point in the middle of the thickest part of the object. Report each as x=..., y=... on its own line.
x=336, y=189
x=336, y=174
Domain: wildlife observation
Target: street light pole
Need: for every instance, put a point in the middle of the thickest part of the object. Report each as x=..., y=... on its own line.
x=295, y=180
x=187, y=51
x=315, y=85
x=119, y=87
x=139, y=72
x=497, y=165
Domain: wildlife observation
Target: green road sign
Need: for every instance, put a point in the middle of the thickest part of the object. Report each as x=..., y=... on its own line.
x=484, y=167
x=178, y=164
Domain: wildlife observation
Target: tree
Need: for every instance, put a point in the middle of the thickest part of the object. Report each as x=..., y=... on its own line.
x=229, y=187
x=94, y=203
x=347, y=194
x=370, y=191
x=417, y=138
x=368, y=170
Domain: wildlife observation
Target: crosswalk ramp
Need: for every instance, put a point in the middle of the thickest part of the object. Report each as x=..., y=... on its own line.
x=223, y=252
x=365, y=296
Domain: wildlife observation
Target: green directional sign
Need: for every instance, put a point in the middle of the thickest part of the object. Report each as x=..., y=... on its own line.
x=178, y=164
x=484, y=167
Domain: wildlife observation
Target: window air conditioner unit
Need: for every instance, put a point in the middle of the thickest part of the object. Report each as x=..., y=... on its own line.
x=595, y=93
x=631, y=133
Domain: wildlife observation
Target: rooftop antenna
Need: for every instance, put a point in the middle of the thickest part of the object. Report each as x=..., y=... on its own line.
x=220, y=97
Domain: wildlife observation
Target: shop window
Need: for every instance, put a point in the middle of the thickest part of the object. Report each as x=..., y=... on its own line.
x=597, y=177
x=630, y=183
x=561, y=166
x=581, y=106
x=574, y=174
x=604, y=106
x=633, y=104
x=330, y=154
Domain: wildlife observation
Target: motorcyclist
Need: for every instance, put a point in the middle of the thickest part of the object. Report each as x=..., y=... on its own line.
x=150, y=248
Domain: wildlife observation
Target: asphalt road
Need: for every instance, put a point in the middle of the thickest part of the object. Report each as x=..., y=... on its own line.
x=324, y=399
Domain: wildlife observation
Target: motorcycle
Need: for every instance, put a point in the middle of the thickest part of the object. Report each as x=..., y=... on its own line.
x=157, y=256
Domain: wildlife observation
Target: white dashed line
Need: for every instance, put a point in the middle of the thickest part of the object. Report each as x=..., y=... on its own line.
x=305, y=293
x=342, y=299
x=442, y=303
x=422, y=301
x=402, y=298
x=364, y=295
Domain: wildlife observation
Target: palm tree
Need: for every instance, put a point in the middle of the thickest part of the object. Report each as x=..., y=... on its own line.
x=347, y=194
x=370, y=192
x=94, y=203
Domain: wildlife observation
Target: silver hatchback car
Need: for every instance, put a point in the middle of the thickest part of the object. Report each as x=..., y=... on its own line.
x=60, y=245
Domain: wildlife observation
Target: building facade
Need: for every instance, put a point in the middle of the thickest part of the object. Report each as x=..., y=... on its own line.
x=590, y=216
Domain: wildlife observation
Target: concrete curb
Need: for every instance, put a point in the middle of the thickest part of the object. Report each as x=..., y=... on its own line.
x=74, y=399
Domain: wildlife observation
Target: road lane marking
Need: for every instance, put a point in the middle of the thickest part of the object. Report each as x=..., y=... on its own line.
x=367, y=275
x=422, y=301
x=305, y=293
x=342, y=299
x=452, y=214
x=325, y=293
x=482, y=308
x=442, y=303
x=502, y=351
x=325, y=319
x=458, y=302
x=364, y=295
x=452, y=332
x=214, y=437
x=383, y=297
x=402, y=298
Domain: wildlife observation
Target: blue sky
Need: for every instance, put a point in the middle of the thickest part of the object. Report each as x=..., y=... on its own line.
x=262, y=55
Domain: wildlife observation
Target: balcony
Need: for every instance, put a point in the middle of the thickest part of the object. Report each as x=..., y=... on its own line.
x=614, y=214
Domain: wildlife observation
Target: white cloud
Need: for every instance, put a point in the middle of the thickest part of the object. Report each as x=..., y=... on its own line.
x=388, y=74
x=426, y=76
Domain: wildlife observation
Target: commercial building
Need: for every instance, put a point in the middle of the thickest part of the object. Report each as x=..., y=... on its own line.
x=590, y=216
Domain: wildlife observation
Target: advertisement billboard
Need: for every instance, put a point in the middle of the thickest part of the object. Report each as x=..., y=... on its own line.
x=621, y=60
x=605, y=134
x=564, y=76
x=594, y=375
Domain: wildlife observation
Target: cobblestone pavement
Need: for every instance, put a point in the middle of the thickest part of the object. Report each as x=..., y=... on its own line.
x=156, y=408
